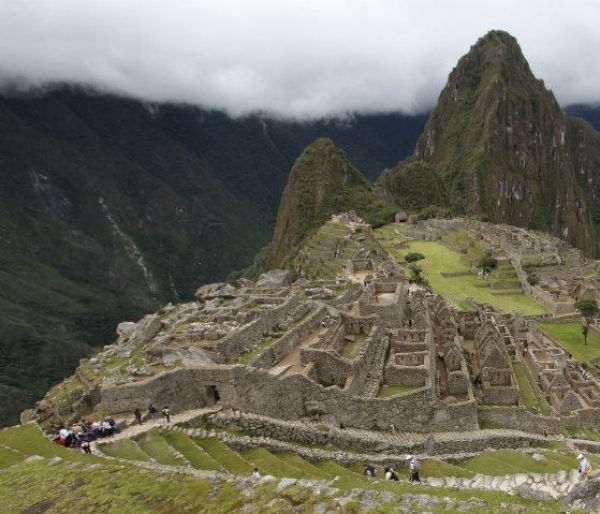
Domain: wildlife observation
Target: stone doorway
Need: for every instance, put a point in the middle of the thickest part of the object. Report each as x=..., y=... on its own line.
x=212, y=395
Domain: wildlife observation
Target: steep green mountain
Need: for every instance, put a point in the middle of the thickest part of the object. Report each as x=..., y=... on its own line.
x=322, y=182
x=110, y=207
x=499, y=147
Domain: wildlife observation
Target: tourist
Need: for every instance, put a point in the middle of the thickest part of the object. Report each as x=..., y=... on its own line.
x=166, y=413
x=392, y=428
x=584, y=466
x=85, y=446
x=390, y=474
x=370, y=472
x=255, y=474
x=152, y=411
x=414, y=467
x=138, y=416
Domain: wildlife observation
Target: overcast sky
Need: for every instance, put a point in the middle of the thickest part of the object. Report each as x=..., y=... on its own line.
x=298, y=58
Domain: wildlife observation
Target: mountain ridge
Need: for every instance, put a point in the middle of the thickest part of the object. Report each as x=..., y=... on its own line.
x=110, y=207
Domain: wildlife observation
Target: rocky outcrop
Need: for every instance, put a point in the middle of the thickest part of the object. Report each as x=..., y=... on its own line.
x=585, y=495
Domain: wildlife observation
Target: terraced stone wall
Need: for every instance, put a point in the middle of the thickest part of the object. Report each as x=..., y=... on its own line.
x=278, y=350
x=365, y=361
x=520, y=418
x=247, y=337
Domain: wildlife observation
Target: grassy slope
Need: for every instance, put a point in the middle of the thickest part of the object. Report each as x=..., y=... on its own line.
x=569, y=336
x=78, y=483
x=440, y=260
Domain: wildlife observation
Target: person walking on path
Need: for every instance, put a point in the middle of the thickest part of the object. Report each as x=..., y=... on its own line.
x=414, y=467
x=584, y=466
x=138, y=416
x=166, y=413
x=152, y=411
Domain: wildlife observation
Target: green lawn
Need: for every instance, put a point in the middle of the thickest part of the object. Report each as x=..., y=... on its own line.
x=195, y=455
x=385, y=391
x=154, y=445
x=123, y=449
x=568, y=335
x=440, y=260
x=503, y=462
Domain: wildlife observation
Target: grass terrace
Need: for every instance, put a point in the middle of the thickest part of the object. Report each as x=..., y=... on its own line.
x=569, y=336
x=386, y=391
x=119, y=486
x=450, y=276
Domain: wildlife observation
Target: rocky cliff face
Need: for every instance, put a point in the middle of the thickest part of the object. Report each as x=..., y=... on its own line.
x=500, y=148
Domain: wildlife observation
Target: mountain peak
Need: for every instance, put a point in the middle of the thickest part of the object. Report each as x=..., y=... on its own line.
x=322, y=182
x=502, y=148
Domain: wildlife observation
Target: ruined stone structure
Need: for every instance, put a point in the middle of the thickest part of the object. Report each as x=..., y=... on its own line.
x=358, y=352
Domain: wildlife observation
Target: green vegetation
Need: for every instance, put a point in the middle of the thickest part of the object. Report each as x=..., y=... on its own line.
x=568, y=335
x=505, y=462
x=531, y=395
x=158, y=449
x=118, y=487
x=487, y=263
x=588, y=308
x=271, y=464
x=413, y=257
x=449, y=275
x=226, y=458
x=385, y=391
x=124, y=449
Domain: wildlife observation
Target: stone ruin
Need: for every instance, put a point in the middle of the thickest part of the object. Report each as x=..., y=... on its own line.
x=358, y=351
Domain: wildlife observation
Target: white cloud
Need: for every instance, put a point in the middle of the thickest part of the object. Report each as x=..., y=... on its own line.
x=292, y=57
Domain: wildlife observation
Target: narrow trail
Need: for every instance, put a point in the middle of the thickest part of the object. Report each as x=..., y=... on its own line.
x=133, y=430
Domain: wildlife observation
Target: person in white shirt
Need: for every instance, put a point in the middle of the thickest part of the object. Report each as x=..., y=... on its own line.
x=584, y=465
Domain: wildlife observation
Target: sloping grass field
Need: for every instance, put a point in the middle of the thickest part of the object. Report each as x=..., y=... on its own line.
x=569, y=335
x=68, y=481
x=451, y=277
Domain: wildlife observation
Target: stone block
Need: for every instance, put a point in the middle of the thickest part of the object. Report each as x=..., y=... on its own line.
x=520, y=479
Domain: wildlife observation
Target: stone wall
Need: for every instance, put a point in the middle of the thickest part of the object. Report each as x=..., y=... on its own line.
x=587, y=418
x=363, y=363
x=499, y=387
x=408, y=376
x=519, y=417
x=328, y=368
x=278, y=350
x=285, y=398
x=247, y=337
x=458, y=383
x=181, y=389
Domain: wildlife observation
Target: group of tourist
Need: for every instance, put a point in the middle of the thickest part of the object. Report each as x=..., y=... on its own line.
x=81, y=434
x=414, y=468
x=152, y=414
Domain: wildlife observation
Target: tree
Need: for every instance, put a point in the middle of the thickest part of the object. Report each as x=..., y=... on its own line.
x=487, y=263
x=414, y=257
x=589, y=310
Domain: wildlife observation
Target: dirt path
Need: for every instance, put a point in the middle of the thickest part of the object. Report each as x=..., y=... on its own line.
x=133, y=430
